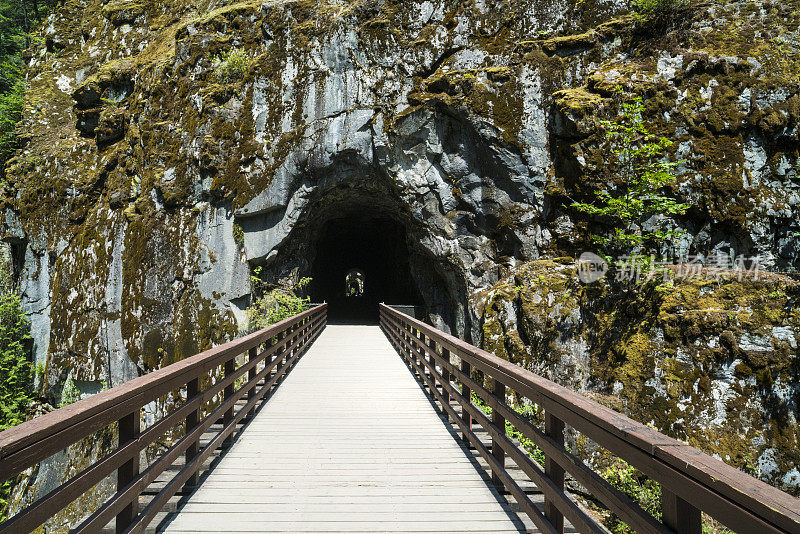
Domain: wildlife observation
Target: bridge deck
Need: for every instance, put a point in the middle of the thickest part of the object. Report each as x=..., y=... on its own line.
x=348, y=443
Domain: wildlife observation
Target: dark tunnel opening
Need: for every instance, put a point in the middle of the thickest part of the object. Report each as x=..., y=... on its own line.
x=375, y=245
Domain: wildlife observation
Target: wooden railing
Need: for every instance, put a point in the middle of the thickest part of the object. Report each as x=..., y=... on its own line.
x=691, y=481
x=28, y=444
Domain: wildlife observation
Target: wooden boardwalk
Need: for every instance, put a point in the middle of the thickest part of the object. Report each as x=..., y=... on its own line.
x=348, y=443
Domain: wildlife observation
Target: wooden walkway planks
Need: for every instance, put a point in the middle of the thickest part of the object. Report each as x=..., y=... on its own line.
x=348, y=443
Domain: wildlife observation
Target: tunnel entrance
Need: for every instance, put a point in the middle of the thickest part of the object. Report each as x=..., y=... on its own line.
x=376, y=248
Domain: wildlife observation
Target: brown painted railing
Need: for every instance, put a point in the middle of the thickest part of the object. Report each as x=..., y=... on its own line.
x=691, y=481
x=28, y=444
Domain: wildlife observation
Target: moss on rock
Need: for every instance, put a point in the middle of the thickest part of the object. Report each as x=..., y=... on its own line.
x=708, y=361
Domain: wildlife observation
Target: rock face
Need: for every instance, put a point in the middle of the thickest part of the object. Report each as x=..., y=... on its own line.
x=171, y=147
x=712, y=360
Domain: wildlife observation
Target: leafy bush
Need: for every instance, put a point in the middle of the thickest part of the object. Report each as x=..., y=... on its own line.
x=638, y=158
x=276, y=305
x=234, y=65
x=641, y=490
x=512, y=431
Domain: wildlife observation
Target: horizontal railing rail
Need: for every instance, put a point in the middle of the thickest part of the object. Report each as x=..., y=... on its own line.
x=691, y=481
x=271, y=353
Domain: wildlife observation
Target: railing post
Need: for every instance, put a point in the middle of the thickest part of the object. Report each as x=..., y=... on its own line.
x=554, y=428
x=499, y=392
x=409, y=344
x=286, y=354
x=192, y=420
x=278, y=340
x=129, y=429
x=446, y=379
x=301, y=335
x=304, y=336
x=229, y=368
x=465, y=415
x=411, y=352
x=303, y=332
x=431, y=367
x=252, y=354
x=679, y=515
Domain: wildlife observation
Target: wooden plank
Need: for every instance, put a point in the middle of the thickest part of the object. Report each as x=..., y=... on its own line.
x=27, y=444
x=129, y=429
x=730, y=496
x=117, y=502
x=554, y=428
x=223, y=437
x=679, y=514
x=524, y=501
x=192, y=420
x=373, y=457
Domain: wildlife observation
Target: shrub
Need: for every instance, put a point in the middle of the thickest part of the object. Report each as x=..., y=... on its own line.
x=529, y=413
x=638, y=487
x=69, y=393
x=276, y=305
x=234, y=65
x=10, y=113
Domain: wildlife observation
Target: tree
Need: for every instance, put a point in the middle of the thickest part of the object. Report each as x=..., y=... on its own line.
x=636, y=205
x=15, y=29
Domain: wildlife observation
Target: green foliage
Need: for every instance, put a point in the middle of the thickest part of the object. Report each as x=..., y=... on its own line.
x=277, y=304
x=650, y=9
x=512, y=431
x=69, y=394
x=15, y=374
x=238, y=234
x=638, y=157
x=15, y=369
x=638, y=487
x=234, y=65
x=16, y=21
x=10, y=113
